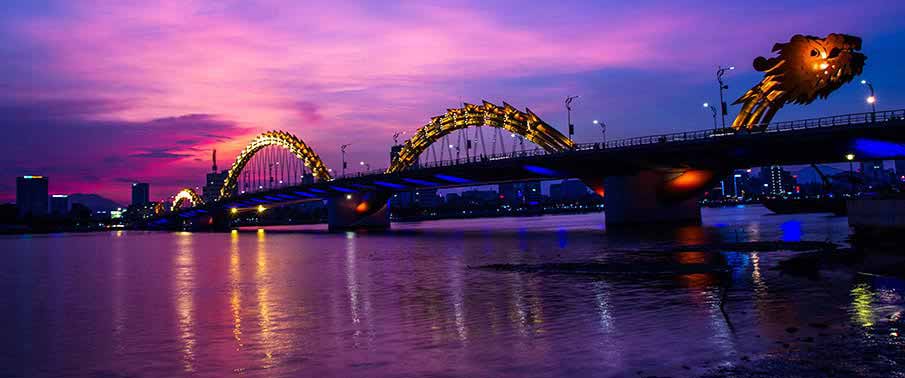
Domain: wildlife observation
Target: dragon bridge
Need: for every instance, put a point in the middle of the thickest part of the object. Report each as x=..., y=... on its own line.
x=186, y=194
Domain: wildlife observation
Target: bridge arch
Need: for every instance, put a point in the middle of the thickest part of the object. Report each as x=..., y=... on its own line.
x=527, y=124
x=274, y=138
x=186, y=194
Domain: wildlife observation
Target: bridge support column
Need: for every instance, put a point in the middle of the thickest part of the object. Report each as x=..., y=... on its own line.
x=638, y=200
x=358, y=211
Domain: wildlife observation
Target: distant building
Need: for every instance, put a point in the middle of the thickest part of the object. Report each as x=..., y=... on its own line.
x=873, y=172
x=212, y=185
x=141, y=193
x=59, y=204
x=521, y=193
x=426, y=198
x=479, y=197
x=568, y=191
x=778, y=181
x=31, y=195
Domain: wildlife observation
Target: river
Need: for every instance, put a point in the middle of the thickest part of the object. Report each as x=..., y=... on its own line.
x=297, y=301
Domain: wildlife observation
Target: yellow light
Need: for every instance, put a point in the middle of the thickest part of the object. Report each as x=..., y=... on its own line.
x=850, y=157
x=348, y=196
x=261, y=208
x=824, y=65
x=871, y=99
x=233, y=210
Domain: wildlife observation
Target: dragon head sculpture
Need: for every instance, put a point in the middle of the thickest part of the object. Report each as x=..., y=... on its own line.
x=806, y=68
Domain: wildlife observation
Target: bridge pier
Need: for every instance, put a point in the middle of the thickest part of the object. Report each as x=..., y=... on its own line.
x=639, y=200
x=358, y=211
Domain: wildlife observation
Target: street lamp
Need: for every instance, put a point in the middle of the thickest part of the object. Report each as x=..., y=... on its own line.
x=569, y=114
x=366, y=165
x=872, y=100
x=851, y=175
x=723, y=86
x=712, y=110
x=343, y=149
x=602, y=130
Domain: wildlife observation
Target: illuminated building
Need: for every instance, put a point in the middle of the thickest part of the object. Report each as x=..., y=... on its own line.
x=31, y=195
x=141, y=193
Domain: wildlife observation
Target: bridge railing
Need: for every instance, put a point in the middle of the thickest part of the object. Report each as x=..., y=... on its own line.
x=859, y=119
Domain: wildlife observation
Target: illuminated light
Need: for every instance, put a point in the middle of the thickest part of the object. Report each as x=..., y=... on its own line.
x=690, y=180
x=863, y=81
x=341, y=189
x=234, y=210
x=32, y=177
x=454, y=179
x=361, y=163
x=316, y=190
x=849, y=157
x=871, y=99
x=878, y=149
x=512, y=135
x=286, y=196
x=450, y=146
x=306, y=194
x=261, y=208
x=362, y=207
x=234, y=232
x=60, y=196
x=731, y=68
x=389, y=185
x=540, y=170
x=348, y=196
x=420, y=182
x=272, y=198
x=706, y=104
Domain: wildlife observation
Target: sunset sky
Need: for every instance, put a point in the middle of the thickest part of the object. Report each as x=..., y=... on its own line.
x=98, y=94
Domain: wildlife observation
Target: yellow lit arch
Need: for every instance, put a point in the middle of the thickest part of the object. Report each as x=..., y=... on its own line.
x=186, y=194
x=526, y=124
x=274, y=138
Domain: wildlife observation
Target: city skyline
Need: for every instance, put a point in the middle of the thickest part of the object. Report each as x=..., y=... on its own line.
x=101, y=95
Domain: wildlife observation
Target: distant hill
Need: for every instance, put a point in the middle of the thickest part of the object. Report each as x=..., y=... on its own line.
x=94, y=202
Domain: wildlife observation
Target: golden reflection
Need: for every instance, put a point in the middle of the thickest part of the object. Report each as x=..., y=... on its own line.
x=235, y=278
x=862, y=299
x=262, y=281
x=184, y=284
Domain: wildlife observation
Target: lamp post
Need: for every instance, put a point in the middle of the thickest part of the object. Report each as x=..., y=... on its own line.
x=343, y=149
x=720, y=72
x=851, y=173
x=366, y=165
x=602, y=130
x=872, y=100
x=569, y=115
x=712, y=110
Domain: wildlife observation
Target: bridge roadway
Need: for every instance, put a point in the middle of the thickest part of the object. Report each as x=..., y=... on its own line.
x=821, y=140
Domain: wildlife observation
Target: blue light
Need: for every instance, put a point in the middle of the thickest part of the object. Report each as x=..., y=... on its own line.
x=272, y=198
x=533, y=203
x=540, y=170
x=457, y=180
x=389, y=185
x=420, y=182
x=341, y=189
x=878, y=149
x=202, y=211
x=257, y=200
x=286, y=196
x=361, y=186
x=791, y=231
x=306, y=194
x=316, y=190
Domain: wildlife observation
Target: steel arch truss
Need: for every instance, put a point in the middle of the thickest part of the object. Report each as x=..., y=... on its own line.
x=274, y=138
x=526, y=124
x=186, y=194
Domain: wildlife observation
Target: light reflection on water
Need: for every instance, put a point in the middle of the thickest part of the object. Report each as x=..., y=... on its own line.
x=405, y=303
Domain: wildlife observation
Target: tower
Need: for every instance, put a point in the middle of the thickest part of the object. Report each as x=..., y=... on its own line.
x=214, y=159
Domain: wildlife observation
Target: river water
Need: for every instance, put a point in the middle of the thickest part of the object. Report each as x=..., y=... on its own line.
x=409, y=303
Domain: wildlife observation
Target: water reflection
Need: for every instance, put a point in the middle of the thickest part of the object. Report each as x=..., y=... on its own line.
x=235, y=281
x=263, y=282
x=184, y=277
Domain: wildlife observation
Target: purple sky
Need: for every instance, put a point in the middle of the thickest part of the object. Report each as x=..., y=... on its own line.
x=97, y=94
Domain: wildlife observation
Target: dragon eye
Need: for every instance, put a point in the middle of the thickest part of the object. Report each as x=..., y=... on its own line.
x=814, y=52
x=834, y=53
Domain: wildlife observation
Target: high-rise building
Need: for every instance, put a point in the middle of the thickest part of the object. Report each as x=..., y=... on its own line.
x=31, y=195
x=141, y=193
x=779, y=182
x=59, y=204
x=521, y=193
x=427, y=198
x=212, y=185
